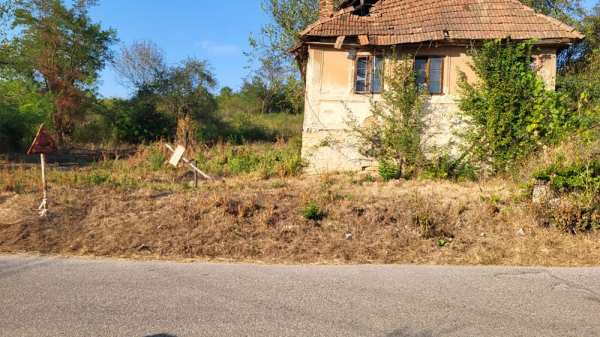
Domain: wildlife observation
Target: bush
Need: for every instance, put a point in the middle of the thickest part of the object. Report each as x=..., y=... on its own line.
x=239, y=128
x=138, y=120
x=581, y=177
x=509, y=112
x=394, y=138
x=445, y=166
x=312, y=211
x=389, y=170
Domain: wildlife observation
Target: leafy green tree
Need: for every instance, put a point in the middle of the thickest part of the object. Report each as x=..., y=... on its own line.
x=138, y=120
x=270, y=50
x=185, y=94
x=22, y=109
x=508, y=111
x=63, y=50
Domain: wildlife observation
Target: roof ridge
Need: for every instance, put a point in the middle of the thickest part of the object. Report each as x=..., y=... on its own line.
x=442, y=19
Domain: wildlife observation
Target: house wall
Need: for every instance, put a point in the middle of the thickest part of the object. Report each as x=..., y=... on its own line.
x=332, y=106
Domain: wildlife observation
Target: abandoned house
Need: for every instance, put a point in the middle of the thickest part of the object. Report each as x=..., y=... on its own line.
x=343, y=55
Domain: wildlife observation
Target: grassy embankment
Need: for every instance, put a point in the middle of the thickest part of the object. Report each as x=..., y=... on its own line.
x=264, y=210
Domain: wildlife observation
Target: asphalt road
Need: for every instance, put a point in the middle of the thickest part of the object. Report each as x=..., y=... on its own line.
x=70, y=297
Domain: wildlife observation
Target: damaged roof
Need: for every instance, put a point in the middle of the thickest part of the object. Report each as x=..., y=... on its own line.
x=389, y=22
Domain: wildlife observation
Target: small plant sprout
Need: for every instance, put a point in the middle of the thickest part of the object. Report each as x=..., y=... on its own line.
x=312, y=211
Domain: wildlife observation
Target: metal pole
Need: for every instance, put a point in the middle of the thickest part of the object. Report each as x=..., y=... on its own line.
x=44, y=205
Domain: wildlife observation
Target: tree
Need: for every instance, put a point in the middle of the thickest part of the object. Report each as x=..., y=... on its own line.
x=185, y=94
x=569, y=11
x=138, y=120
x=141, y=65
x=22, y=109
x=63, y=50
x=270, y=49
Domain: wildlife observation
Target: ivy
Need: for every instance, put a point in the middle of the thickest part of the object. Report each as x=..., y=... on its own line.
x=508, y=112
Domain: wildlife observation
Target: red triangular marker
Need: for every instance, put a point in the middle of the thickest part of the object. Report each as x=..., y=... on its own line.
x=43, y=143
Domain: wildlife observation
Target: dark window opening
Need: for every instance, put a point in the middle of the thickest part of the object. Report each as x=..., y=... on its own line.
x=369, y=74
x=430, y=73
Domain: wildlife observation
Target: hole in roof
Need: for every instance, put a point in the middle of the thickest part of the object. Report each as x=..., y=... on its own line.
x=363, y=7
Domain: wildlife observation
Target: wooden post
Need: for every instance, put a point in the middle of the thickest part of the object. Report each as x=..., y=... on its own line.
x=42, y=145
x=195, y=175
x=44, y=205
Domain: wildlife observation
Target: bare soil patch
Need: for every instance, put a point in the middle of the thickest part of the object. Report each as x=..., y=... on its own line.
x=423, y=222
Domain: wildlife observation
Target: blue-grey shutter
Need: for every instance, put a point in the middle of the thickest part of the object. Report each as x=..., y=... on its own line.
x=435, y=75
x=421, y=71
x=377, y=85
x=362, y=69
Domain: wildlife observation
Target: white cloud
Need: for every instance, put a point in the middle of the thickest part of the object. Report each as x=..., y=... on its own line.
x=216, y=48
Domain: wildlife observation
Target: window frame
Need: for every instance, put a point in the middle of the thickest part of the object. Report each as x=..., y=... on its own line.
x=428, y=71
x=371, y=67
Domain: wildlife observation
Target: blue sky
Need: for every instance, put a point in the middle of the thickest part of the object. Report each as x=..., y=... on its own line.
x=216, y=31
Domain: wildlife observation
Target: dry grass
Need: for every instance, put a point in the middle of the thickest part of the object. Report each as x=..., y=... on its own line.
x=250, y=219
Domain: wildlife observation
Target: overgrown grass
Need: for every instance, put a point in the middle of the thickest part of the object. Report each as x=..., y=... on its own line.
x=147, y=168
x=281, y=159
x=242, y=128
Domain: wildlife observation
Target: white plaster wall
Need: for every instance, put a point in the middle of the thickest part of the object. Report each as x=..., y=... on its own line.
x=331, y=105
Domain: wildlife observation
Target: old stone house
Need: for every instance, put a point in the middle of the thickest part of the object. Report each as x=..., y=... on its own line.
x=343, y=55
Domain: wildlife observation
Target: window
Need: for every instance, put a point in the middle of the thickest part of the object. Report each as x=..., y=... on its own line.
x=369, y=74
x=430, y=73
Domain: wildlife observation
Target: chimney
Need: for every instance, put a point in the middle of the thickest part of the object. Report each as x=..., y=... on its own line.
x=326, y=9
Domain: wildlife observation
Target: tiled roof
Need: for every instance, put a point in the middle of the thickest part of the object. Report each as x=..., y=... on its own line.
x=412, y=21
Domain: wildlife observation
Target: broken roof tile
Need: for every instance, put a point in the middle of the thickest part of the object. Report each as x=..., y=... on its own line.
x=412, y=21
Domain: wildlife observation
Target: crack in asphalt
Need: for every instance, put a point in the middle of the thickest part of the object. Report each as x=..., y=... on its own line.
x=594, y=296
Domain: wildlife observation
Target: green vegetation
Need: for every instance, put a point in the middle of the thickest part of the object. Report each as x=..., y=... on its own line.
x=572, y=178
x=312, y=211
x=61, y=52
x=394, y=138
x=265, y=160
x=509, y=111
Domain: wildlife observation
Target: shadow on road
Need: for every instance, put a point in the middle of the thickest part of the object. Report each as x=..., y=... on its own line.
x=161, y=335
x=408, y=333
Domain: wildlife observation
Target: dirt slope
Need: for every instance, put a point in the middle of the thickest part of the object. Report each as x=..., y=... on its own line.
x=261, y=220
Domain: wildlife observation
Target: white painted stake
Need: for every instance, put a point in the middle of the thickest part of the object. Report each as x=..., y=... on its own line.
x=190, y=163
x=44, y=205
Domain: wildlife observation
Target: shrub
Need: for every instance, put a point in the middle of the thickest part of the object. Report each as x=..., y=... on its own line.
x=389, y=170
x=509, y=112
x=312, y=211
x=138, y=120
x=444, y=166
x=394, y=138
x=581, y=177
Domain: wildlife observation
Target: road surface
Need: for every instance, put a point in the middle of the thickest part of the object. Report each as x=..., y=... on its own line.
x=72, y=297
